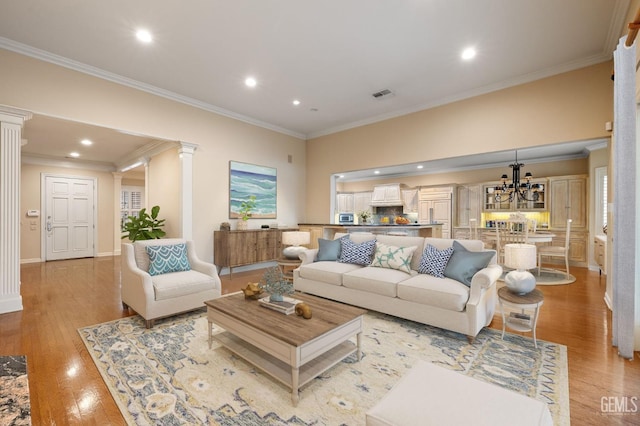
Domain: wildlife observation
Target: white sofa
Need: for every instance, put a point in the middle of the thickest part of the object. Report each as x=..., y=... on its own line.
x=158, y=296
x=441, y=302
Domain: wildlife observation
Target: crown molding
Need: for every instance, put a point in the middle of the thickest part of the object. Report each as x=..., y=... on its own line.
x=42, y=55
x=42, y=160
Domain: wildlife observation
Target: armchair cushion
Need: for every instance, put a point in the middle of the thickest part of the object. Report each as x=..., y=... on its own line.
x=168, y=258
x=176, y=284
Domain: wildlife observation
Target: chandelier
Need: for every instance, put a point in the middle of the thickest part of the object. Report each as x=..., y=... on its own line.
x=523, y=191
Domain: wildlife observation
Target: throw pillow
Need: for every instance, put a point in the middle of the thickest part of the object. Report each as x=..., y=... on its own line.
x=358, y=254
x=464, y=264
x=328, y=250
x=434, y=261
x=393, y=257
x=168, y=258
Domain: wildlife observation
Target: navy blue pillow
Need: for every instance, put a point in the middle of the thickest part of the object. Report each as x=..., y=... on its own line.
x=464, y=264
x=358, y=254
x=328, y=249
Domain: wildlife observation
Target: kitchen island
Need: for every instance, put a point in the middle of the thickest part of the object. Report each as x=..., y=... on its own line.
x=328, y=230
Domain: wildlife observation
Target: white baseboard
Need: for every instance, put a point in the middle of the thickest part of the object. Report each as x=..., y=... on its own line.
x=34, y=260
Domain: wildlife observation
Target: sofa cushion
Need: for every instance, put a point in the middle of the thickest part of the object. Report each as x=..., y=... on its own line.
x=444, y=293
x=356, y=253
x=328, y=249
x=464, y=264
x=434, y=261
x=326, y=272
x=176, y=284
x=374, y=280
x=393, y=257
x=168, y=258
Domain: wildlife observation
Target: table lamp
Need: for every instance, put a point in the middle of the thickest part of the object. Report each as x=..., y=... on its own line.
x=293, y=240
x=520, y=257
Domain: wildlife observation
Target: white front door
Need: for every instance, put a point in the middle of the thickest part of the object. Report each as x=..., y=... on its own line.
x=69, y=217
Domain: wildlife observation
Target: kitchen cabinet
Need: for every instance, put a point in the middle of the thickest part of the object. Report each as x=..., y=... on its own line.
x=568, y=200
x=344, y=203
x=435, y=204
x=409, y=201
x=468, y=204
x=600, y=252
x=491, y=205
x=362, y=202
x=386, y=195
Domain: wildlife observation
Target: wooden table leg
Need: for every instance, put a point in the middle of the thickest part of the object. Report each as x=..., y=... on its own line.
x=359, y=340
x=210, y=334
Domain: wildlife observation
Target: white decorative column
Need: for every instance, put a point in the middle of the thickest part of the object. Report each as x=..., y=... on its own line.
x=11, y=122
x=117, y=229
x=186, y=195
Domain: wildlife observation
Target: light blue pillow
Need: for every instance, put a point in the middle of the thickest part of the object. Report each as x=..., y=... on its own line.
x=168, y=258
x=464, y=264
x=433, y=261
x=328, y=250
x=358, y=254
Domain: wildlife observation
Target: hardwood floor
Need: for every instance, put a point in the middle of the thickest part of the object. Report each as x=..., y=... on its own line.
x=66, y=388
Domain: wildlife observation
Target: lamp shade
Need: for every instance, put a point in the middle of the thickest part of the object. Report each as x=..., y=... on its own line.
x=294, y=239
x=520, y=256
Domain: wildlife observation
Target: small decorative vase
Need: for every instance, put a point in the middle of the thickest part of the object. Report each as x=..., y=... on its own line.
x=276, y=298
x=242, y=225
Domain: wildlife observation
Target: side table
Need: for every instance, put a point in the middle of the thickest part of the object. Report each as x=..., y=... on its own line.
x=521, y=320
x=287, y=266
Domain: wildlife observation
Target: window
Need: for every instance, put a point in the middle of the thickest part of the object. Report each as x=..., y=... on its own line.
x=131, y=202
x=601, y=199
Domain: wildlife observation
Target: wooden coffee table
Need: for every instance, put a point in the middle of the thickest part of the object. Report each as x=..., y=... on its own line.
x=287, y=347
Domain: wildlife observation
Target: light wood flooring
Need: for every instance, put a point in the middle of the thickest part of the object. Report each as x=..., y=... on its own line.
x=66, y=388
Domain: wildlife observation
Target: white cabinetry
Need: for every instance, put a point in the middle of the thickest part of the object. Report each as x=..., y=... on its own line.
x=409, y=201
x=362, y=202
x=469, y=204
x=568, y=201
x=434, y=205
x=386, y=195
x=344, y=203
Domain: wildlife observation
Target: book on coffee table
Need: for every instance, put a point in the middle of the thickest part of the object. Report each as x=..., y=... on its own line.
x=287, y=306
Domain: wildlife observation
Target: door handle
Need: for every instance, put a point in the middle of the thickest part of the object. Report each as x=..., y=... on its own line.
x=48, y=226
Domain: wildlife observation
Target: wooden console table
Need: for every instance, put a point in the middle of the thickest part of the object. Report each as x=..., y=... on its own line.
x=239, y=248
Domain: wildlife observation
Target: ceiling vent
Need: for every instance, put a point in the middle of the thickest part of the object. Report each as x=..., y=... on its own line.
x=385, y=93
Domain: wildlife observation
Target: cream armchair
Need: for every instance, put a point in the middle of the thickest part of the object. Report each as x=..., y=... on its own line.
x=164, y=294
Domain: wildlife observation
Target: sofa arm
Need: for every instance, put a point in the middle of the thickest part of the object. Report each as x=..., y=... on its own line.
x=308, y=256
x=483, y=280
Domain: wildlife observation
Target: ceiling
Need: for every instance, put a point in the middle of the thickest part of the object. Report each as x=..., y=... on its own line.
x=331, y=56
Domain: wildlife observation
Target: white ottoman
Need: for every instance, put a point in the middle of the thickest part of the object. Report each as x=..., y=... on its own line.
x=433, y=395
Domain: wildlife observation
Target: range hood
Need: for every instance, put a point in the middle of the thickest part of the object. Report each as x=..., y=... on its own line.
x=386, y=195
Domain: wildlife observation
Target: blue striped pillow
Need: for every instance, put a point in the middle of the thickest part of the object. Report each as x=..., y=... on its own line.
x=168, y=258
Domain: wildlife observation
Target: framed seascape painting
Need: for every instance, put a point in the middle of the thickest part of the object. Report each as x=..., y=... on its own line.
x=246, y=180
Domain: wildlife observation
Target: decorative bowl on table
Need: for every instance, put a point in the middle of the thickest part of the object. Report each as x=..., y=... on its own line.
x=253, y=291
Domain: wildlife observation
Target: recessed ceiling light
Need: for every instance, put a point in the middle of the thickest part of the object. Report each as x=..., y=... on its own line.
x=341, y=176
x=86, y=142
x=74, y=154
x=377, y=172
x=420, y=166
x=468, y=53
x=296, y=102
x=250, y=82
x=144, y=36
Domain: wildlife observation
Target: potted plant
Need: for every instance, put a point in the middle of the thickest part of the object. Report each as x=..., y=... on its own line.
x=244, y=212
x=364, y=216
x=144, y=226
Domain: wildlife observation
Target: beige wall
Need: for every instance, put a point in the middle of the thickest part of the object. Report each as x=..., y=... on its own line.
x=566, y=107
x=30, y=198
x=164, y=190
x=48, y=89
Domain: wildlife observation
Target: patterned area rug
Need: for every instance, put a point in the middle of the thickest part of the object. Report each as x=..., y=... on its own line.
x=15, y=407
x=168, y=374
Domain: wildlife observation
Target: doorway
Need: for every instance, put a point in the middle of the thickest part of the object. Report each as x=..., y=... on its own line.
x=69, y=217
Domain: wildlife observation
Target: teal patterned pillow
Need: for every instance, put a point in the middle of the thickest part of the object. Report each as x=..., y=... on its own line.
x=393, y=257
x=434, y=261
x=358, y=254
x=168, y=258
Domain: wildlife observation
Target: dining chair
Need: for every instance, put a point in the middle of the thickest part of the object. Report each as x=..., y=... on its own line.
x=557, y=251
x=473, y=229
x=512, y=231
